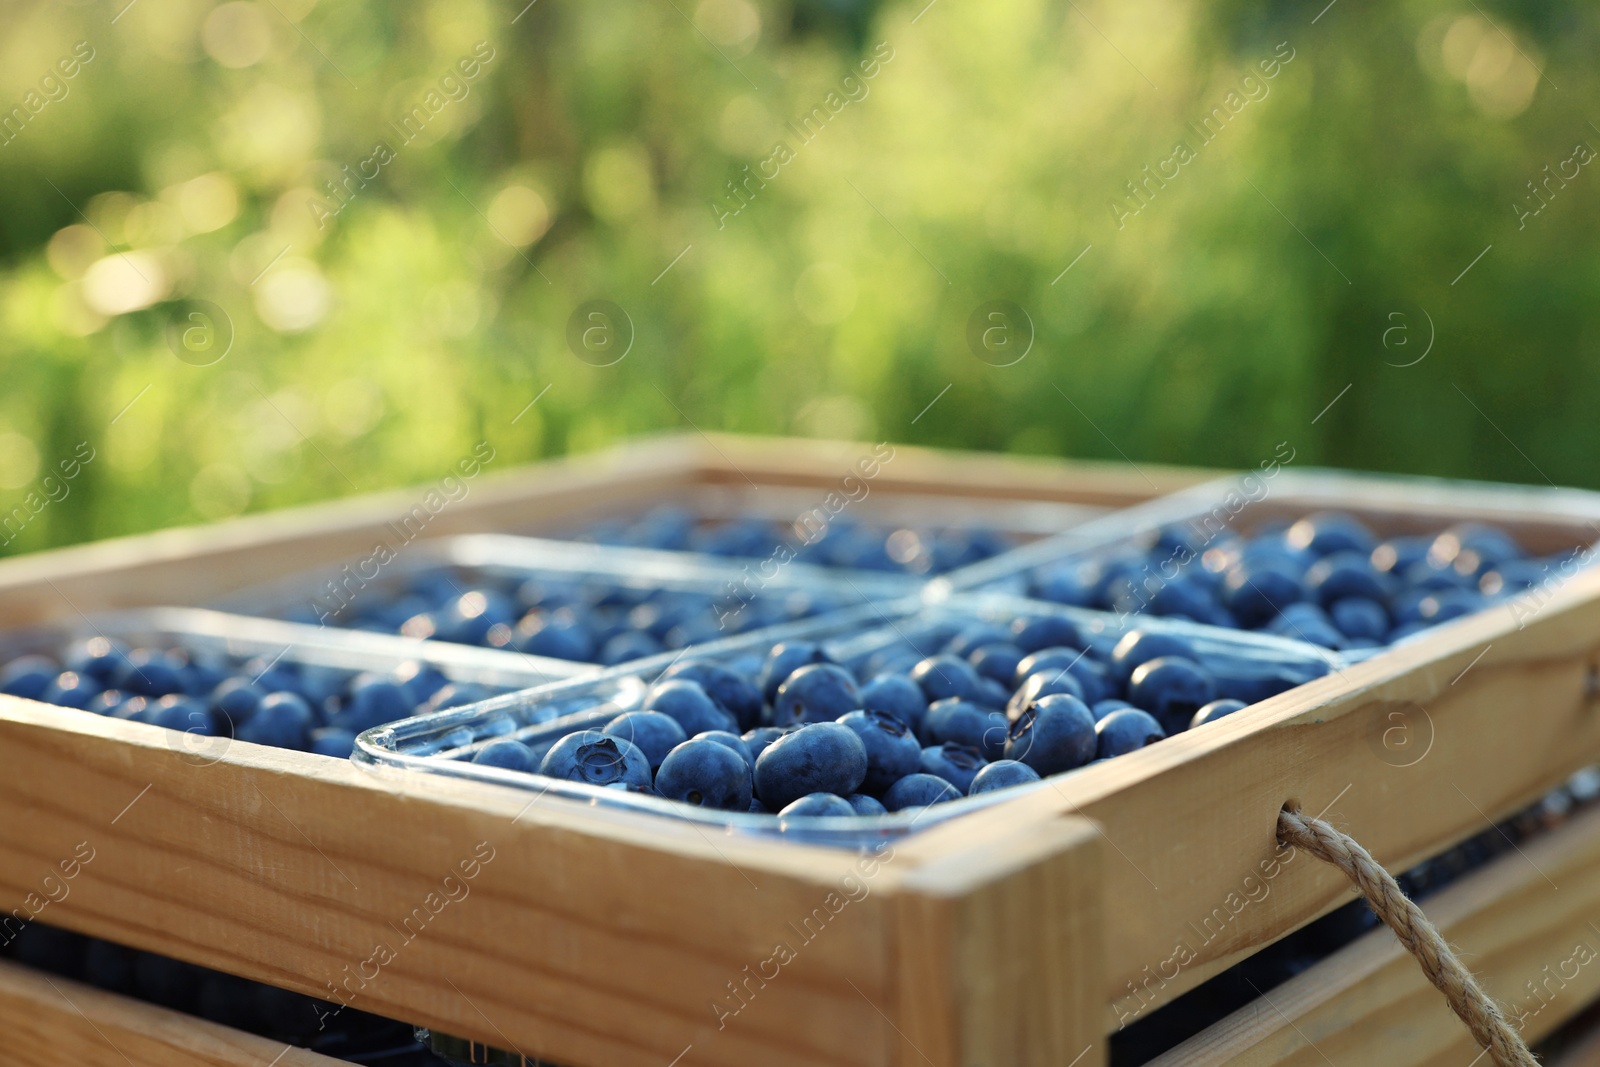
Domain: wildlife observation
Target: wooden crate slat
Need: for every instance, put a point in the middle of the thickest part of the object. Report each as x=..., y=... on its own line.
x=48, y=1021
x=590, y=937
x=1516, y=922
x=1192, y=821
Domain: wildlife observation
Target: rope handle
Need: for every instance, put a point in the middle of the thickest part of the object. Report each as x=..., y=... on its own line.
x=1415, y=931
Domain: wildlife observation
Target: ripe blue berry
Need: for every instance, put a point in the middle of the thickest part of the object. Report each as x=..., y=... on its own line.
x=28, y=676
x=655, y=734
x=956, y=764
x=508, y=754
x=595, y=758
x=283, y=720
x=340, y=744
x=1216, y=710
x=756, y=741
x=689, y=705
x=865, y=805
x=732, y=691
x=919, y=790
x=784, y=660
x=1001, y=774
x=897, y=695
x=817, y=805
x=1126, y=730
x=817, y=692
x=1046, y=631
x=1141, y=646
x=824, y=757
x=940, y=677
x=1172, y=688
x=706, y=773
x=1052, y=735
x=892, y=749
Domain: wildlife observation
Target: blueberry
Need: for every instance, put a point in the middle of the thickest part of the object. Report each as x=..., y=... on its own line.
x=98, y=657
x=1360, y=618
x=1216, y=710
x=420, y=680
x=28, y=676
x=865, y=805
x=757, y=740
x=817, y=692
x=1101, y=708
x=1399, y=554
x=71, y=690
x=940, y=677
x=1255, y=593
x=629, y=645
x=732, y=742
x=373, y=702
x=508, y=754
x=784, y=660
x=824, y=757
x=332, y=741
x=1446, y=605
x=1040, y=684
x=654, y=733
x=107, y=701
x=1124, y=731
x=976, y=636
x=283, y=720
x=559, y=634
x=1141, y=646
x=1345, y=574
x=686, y=702
x=991, y=694
x=1327, y=532
x=818, y=805
x=1307, y=622
x=705, y=773
x=897, y=695
x=1053, y=734
x=956, y=764
x=150, y=673
x=919, y=790
x=1045, y=631
x=1172, y=688
x=892, y=749
x=731, y=690
x=236, y=699
x=184, y=714
x=997, y=661
x=594, y=758
x=1056, y=659
x=1001, y=774
x=967, y=724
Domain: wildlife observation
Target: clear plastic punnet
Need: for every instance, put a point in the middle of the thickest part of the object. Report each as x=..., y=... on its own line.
x=213, y=646
x=1146, y=559
x=477, y=588
x=445, y=742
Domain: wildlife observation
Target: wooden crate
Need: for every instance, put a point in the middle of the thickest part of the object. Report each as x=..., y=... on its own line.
x=1526, y=926
x=1013, y=936
x=49, y=1021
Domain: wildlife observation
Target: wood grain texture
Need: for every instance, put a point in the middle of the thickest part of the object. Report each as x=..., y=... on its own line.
x=1493, y=714
x=1000, y=938
x=588, y=937
x=49, y=1021
x=1525, y=924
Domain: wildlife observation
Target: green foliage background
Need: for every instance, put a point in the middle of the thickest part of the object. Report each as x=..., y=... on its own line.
x=978, y=163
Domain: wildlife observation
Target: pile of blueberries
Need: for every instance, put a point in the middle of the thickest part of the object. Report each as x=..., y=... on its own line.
x=842, y=543
x=584, y=618
x=205, y=693
x=321, y=1026
x=1327, y=579
x=957, y=707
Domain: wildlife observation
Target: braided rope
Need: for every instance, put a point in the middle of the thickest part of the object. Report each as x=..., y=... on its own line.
x=1420, y=937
